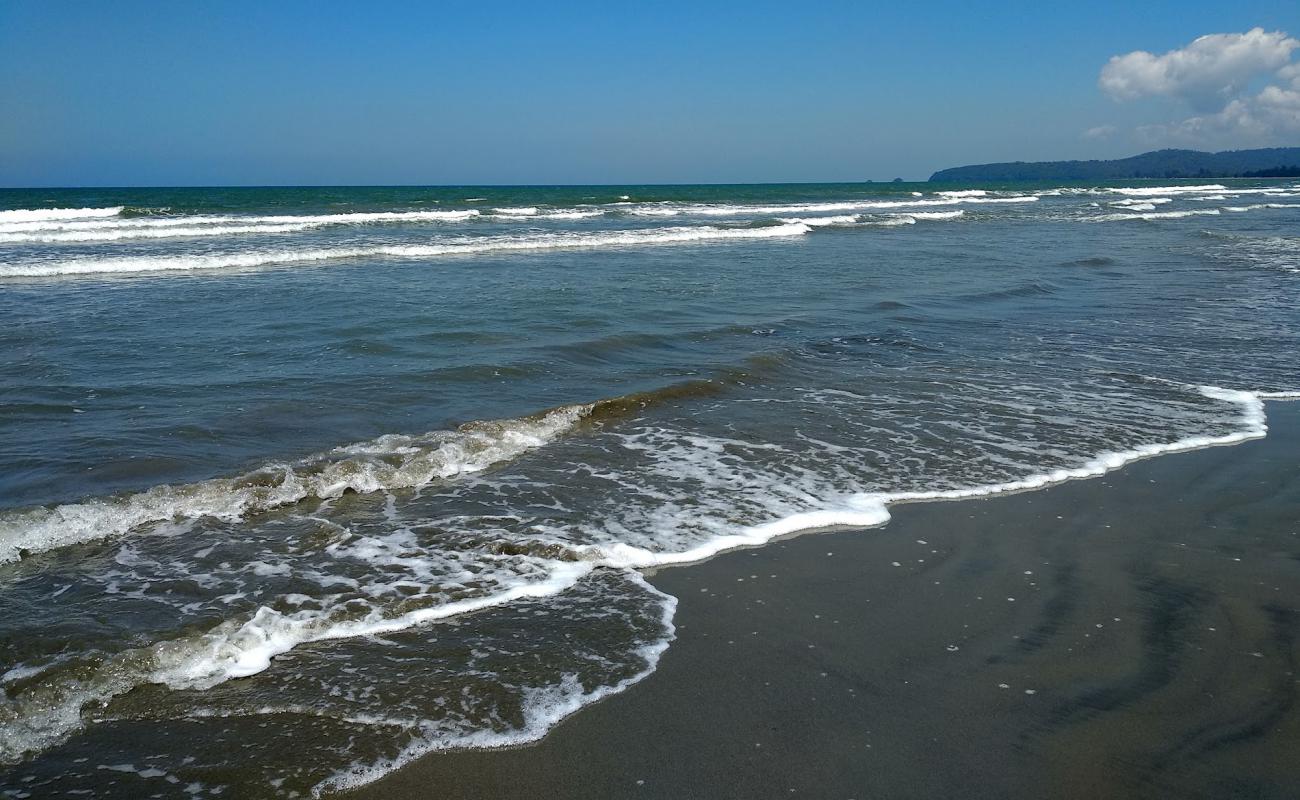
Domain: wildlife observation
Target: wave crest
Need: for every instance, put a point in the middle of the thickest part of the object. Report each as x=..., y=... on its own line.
x=452, y=247
x=389, y=462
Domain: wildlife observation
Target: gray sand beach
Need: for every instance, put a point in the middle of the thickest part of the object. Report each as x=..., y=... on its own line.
x=1133, y=635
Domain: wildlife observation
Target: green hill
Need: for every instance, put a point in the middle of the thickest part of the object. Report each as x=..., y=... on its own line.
x=1268, y=162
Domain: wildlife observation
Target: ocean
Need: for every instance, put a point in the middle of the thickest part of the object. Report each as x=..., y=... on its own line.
x=300, y=484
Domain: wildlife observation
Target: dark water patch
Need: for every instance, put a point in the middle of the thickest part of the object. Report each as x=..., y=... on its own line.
x=1096, y=261
x=1235, y=729
x=478, y=373
x=755, y=368
x=11, y=410
x=1029, y=289
x=1058, y=611
x=370, y=347
x=1280, y=699
x=275, y=736
x=1171, y=609
x=632, y=404
x=619, y=348
x=466, y=337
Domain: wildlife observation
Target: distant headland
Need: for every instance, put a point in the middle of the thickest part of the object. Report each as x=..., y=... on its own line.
x=1273, y=162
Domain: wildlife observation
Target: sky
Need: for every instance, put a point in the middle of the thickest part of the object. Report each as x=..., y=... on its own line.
x=231, y=93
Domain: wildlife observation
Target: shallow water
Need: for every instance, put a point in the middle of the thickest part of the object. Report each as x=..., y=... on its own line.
x=265, y=450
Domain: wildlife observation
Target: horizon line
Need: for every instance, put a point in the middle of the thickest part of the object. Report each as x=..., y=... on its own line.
x=889, y=181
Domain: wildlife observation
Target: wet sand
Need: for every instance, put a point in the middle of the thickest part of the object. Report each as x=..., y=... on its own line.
x=1128, y=636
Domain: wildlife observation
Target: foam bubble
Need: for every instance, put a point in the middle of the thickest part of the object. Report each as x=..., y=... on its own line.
x=452, y=247
x=37, y=214
x=543, y=708
x=735, y=475
x=389, y=462
x=821, y=222
x=151, y=233
x=872, y=509
x=725, y=210
x=1199, y=212
x=1258, y=206
x=242, y=649
x=937, y=215
x=1163, y=190
x=1143, y=203
x=145, y=226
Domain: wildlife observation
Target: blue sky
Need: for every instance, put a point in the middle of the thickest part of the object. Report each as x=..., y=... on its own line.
x=128, y=93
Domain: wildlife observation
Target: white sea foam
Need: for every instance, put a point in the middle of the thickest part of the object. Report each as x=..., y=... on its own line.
x=245, y=646
x=523, y=211
x=964, y=193
x=913, y=217
x=727, y=210
x=937, y=215
x=22, y=672
x=199, y=226
x=821, y=222
x=1258, y=206
x=872, y=509
x=231, y=650
x=1149, y=191
x=245, y=649
x=37, y=214
x=177, y=232
x=544, y=708
x=196, y=220
x=451, y=215
x=1199, y=212
x=559, y=213
x=857, y=219
x=121, y=223
x=238, y=650
x=1141, y=204
x=389, y=462
x=450, y=247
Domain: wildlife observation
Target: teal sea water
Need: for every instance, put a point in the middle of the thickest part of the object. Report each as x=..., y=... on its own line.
x=299, y=484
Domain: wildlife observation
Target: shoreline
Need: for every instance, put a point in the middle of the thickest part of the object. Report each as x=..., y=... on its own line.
x=991, y=654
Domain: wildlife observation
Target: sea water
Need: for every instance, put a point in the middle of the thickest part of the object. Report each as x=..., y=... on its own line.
x=298, y=484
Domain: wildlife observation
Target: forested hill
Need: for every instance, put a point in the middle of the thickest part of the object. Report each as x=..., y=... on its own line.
x=1268, y=162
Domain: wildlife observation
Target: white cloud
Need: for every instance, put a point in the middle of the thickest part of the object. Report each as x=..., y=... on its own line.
x=1208, y=73
x=1291, y=73
x=1270, y=117
x=1212, y=76
x=1100, y=132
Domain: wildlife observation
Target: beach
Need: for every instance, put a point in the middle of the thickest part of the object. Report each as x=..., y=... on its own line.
x=631, y=417
x=303, y=484
x=1127, y=636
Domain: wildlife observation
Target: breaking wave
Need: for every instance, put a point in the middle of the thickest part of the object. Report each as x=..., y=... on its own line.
x=389, y=462
x=725, y=210
x=1198, y=212
x=463, y=246
x=41, y=214
x=244, y=645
